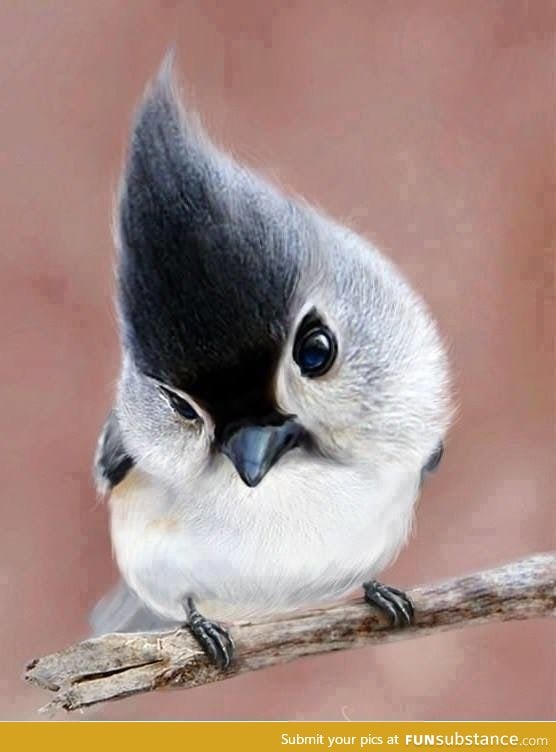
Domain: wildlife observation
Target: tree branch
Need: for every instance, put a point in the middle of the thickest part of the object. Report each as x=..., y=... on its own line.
x=118, y=665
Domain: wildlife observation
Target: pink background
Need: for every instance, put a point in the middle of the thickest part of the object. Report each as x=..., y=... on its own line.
x=429, y=126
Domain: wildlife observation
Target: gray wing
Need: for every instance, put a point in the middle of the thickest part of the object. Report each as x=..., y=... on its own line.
x=112, y=461
x=121, y=610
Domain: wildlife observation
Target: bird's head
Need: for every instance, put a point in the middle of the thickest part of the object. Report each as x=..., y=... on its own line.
x=256, y=331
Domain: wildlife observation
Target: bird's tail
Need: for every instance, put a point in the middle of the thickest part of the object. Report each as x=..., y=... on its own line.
x=121, y=610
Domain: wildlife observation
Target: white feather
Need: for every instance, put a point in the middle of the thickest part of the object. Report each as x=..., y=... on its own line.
x=309, y=533
x=184, y=524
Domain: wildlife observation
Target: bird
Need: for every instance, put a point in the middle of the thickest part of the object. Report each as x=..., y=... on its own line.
x=283, y=393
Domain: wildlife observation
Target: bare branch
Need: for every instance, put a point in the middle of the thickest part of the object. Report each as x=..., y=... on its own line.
x=118, y=665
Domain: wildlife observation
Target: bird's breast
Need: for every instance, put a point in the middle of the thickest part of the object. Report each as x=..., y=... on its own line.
x=298, y=538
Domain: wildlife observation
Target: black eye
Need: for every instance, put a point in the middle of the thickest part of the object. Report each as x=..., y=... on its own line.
x=315, y=351
x=434, y=460
x=181, y=406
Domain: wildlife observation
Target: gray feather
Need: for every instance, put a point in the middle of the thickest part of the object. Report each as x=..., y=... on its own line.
x=120, y=610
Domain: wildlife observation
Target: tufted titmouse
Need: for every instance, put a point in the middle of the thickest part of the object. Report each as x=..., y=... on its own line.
x=282, y=392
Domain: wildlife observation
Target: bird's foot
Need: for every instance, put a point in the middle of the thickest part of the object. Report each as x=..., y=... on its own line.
x=394, y=603
x=213, y=638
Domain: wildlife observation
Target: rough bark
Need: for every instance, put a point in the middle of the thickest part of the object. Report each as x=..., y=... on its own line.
x=118, y=665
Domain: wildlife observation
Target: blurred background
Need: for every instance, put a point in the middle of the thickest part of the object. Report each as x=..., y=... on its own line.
x=430, y=127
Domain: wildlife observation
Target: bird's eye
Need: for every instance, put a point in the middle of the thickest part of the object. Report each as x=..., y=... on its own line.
x=434, y=460
x=181, y=406
x=315, y=350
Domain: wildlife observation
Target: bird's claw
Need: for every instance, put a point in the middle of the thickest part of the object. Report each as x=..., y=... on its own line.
x=391, y=601
x=213, y=638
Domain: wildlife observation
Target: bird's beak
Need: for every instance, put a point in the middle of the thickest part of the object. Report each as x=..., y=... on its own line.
x=254, y=449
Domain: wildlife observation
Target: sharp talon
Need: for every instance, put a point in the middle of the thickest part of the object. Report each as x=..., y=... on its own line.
x=223, y=644
x=391, y=601
x=213, y=638
x=406, y=603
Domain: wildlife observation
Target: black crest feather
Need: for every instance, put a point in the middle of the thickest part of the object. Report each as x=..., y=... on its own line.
x=208, y=255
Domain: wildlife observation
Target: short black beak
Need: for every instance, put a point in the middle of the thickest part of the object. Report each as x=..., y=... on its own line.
x=254, y=449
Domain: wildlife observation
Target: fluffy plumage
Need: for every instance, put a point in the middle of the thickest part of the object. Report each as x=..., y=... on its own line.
x=216, y=271
x=206, y=263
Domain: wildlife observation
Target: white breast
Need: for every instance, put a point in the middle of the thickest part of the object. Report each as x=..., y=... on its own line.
x=306, y=534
